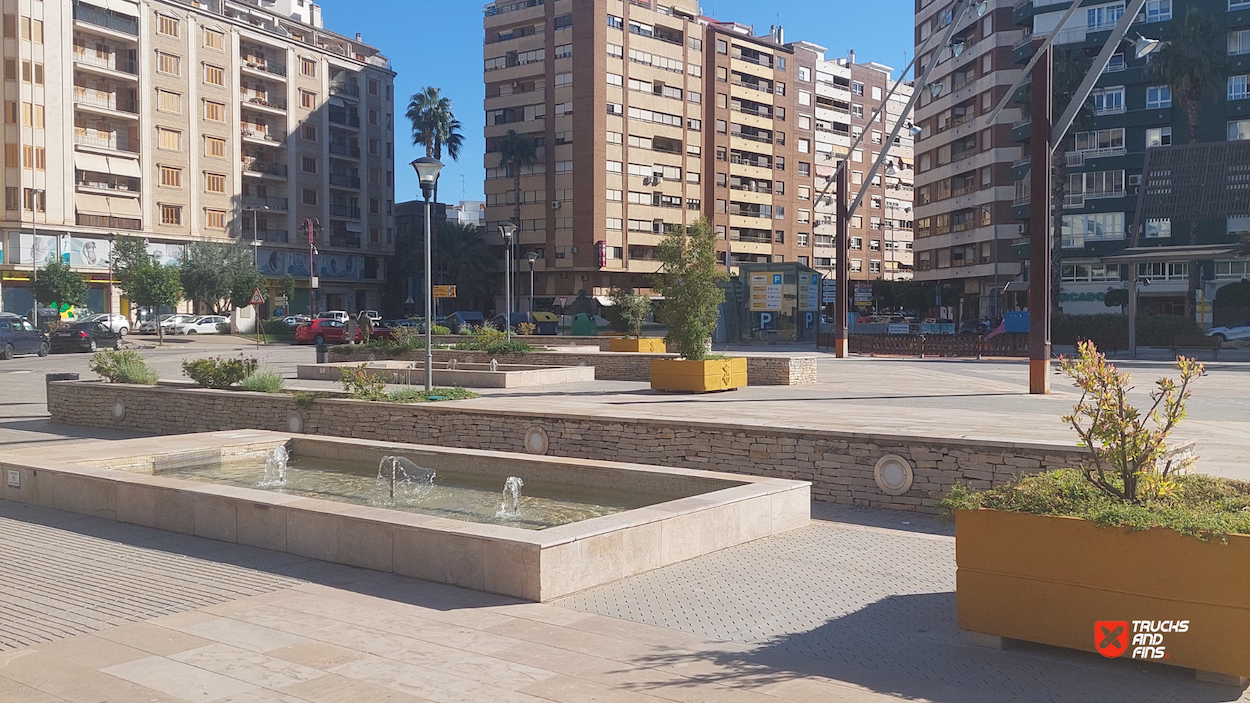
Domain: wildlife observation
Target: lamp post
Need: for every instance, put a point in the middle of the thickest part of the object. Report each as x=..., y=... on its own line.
x=507, y=229
x=532, y=256
x=427, y=171
x=34, y=269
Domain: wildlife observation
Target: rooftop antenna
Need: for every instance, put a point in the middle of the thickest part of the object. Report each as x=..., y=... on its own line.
x=462, y=190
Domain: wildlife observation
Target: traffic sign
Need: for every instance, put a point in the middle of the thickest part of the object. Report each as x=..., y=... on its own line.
x=444, y=291
x=258, y=298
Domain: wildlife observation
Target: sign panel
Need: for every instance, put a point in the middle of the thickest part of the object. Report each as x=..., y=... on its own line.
x=258, y=298
x=444, y=291
x=829, y=291
x=863, y=292
x=766, y=291
x=809, y=291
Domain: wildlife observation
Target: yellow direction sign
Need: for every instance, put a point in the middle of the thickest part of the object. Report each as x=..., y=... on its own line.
x=444, y=291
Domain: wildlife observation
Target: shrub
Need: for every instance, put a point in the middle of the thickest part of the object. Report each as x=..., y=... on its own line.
x=360, y=384
x=439, y=329
x=631, y=309
x=688, y=281
x=409, y=337
x=418, y=395
x=1161, y=330
x=223, y=328
x=304, y=399
x=275, y=327
x=526, y=328
x=124, y=366
x=219, y=372
x=262, y=382
x=493, y=341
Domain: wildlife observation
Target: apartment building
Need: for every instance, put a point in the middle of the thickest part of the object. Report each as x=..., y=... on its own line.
x=184, y=121
x=1102, y=159
x=649, y=115
x=848, y=95
x=965, y=187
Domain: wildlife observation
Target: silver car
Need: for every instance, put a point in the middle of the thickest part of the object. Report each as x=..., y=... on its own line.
x=116, y=323
x=1225, y=334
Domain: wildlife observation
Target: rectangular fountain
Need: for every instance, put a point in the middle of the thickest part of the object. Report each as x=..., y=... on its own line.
x=527, y=526
x=455, y=374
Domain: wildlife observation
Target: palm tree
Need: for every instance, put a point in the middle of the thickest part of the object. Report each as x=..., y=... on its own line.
x=1192, y=64
x=465, y=258
x=434, y=126
x=516, y=151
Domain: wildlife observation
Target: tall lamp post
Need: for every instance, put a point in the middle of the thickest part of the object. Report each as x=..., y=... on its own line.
x=427, y=171
x=507, y=229
x=532, y=257
x=34, y=270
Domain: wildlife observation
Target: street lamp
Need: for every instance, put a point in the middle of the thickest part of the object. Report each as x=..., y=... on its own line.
x=532, y=257
x=427, y=169
x=37, y=195
x=507, y=229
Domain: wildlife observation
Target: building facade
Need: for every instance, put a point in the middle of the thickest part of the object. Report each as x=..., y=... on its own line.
x=648, y=116
x=965, y=187
x=209, y=120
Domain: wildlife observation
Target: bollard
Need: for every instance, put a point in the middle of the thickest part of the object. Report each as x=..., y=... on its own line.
x=323, y=354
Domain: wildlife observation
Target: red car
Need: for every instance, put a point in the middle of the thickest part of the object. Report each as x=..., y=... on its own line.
x=321, y=332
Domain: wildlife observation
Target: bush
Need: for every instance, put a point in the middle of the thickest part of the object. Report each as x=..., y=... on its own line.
x=526, y=328
x=1110, y=331
x=124, y=366
x=275, y=327
x=220, y=372
x=262, y=382
x=223, y=328
x=493, y=341
x=418, y=395
x=408, y=338
x=360, y=384
x=1161, y=330
x=439, y=329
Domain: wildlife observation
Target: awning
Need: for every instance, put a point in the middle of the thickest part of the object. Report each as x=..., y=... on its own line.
x=91, y=162
x=122, y=7
x=603, y=300
x=1016, y=287
x=97, y=205
x=125, y=207
x=124, y=167
x=1198, y=252
x=353, y=227
x=337, y=102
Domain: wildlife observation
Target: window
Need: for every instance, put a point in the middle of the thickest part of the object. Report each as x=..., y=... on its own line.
x=214, y=111
x=1158, y=96
x=214, y=183
x=309, y=132
x=564, y=51
x=308, y=196
x=615, y=22
x=857, y=88
x=722, y=47
x=167, y=25
x=1238, y=129
x=1158, y=10
x=167, y=101
x=1158, y=136
x=308, y=164
x=1238, y=87
x=805, y=74
x=1158, y=228
x=168, y=63
x=857, y=111
x=1109, y=101
x=1239, y=42
x=375, y=147
x=36, y=200
x=1097, y=18
x=308, y=67
x=10, y=112
x=857, y=265
x=1103, y=139
x=214, y=75
x=781, y=63
x=1101, y=226
x=373, y=86
x=171, y=177
x=215, y=146
x=171, y=214
x=169, y=138
x=215, y=219
x=805, y=146
x=214, y=39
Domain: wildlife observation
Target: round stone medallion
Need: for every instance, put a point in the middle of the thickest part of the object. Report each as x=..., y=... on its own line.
x=295, y=423
x=536, y=440
x=893, y=475
x=119, y=409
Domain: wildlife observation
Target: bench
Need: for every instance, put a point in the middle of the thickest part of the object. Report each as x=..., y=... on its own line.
x=1195, y=343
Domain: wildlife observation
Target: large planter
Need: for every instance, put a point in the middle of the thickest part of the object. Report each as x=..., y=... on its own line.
x=698, y=376
x=1048, y=579
x=642, y=345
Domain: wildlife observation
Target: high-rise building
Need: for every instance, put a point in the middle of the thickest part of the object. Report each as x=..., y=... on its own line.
x=649, y=115
x=183, y=121
x=965, y=189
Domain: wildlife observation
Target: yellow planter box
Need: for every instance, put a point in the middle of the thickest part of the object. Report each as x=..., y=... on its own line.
x=698, y=376
x=645, y=345
x=1048, y=579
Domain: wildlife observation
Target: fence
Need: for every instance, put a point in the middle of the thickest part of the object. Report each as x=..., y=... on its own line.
x=941, y=345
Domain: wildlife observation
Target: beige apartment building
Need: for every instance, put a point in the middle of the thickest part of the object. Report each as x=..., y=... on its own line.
x=648, y=115
x=184, y=121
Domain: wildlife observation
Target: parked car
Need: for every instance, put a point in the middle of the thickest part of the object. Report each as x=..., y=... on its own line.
x=340, y=315
x=168, y=321
x=113, y=321
x=385, y=329
x=18, y=336
x=321, y=331
x=206, y=324
x=1224, y=334
x=517, y=318
x=466, y=318
x=84, y=336
x=977, y=327
x=294, y=321
x=373, y=315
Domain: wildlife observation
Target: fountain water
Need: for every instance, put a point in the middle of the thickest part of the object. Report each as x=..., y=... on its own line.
x=494, y=364
x=275, y=467
x=511, y=507
x=402, y=481
x=452, y=365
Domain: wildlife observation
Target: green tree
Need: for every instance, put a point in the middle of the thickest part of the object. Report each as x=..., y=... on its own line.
x=58, y=285
x=128, y=254
x=687, y=280
x=288, y=291
x=516, y=151
x=435, y=126
x=463, y=257
x=219, y=276
x=151, y=284
x=1116, y=298
x=631, y=310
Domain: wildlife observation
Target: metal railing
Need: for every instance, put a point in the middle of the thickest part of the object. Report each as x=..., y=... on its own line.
x=753, y=86
x=757, y=62
x=252, y=201
x=121, y=186
x=752, y=111
x=497, y=9
x=342, y=117
x=103, y=140
x=99, y=98
x=351, y=150
x=266, y=66
x=100, y=18
x=344, y=210
x=345, y=89
x=266, y=167
x=343, y=180
x=752, y=137
x=744, y=162
x=271, y=103
x=347, y=241
x=111, y=62
x=274, y=136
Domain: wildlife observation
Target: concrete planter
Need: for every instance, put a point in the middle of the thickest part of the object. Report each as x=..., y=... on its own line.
x=642, y=345
x=698, y=376
x=1048, y=579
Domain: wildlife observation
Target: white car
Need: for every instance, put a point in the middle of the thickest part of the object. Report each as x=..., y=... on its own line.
x=201, y=325
x=1224, y=334
x=340, y=315
x=373, y=315
x=116, y=323
x=168, y=321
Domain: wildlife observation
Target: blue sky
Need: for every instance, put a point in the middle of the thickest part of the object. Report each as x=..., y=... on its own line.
x=439, y=42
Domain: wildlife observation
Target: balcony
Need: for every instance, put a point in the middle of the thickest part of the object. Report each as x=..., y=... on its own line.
x=256, y=65
x=264, y=168
x=765, y=62
x=114, y=186
x=106, y=20
x=751, y=137
x=351, y=90
x=754, y=86
x=499, y=9
x=1074, y=201
x=110, y=62
x=348, y=240
x=348, y=150
x=269, y=235
x=763, y=190
x=269, y=137
x=344, y=118
x=262, y=101
x=102, y=100
x=766, y=114
x=345, y=210
x=343, y=180
x=253, y=202
x=102, y=140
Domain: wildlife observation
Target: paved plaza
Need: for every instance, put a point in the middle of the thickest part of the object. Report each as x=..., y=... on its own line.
x=859, y=606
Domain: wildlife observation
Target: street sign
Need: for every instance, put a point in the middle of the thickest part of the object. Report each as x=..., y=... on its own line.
x=444, y=291
x=829, y=291
x=280, y=301
x=258, y=298
x=863, y=292
x=562, y=302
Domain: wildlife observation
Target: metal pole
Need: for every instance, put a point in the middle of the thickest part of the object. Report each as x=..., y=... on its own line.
x=531, y=287
x=428, y=191
x=1039, y=231
x=841, y=344
x=507, y=284
x=34, y=273
x=1132, y=310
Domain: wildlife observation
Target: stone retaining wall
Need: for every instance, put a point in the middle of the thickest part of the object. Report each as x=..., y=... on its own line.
x=840, y=465
x=609, y=366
